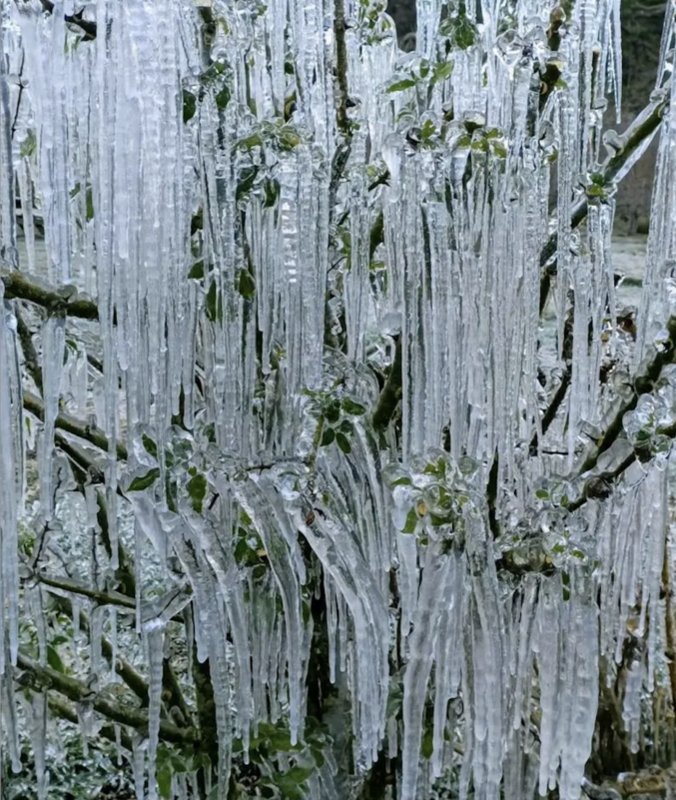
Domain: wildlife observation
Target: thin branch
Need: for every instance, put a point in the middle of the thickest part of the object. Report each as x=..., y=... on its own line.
x=552, y=409
x=671, y=622
x=74, y=690
x=73, y=587
x=18, y=285
x=339, y=29
x=645, y=124
x=18, y=99
x=74, y=426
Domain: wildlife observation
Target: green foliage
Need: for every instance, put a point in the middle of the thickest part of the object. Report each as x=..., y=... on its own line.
x=144, y=481
x=74, y=774
x=30, y=145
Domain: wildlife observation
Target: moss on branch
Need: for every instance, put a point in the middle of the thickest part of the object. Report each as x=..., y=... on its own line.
x=50, y=679
x=18, y=286
x=74, y=426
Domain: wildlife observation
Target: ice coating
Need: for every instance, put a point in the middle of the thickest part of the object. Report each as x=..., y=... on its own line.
x=267, y=244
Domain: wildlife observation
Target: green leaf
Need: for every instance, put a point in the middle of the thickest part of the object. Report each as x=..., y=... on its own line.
x=542, y=494
x=144, y=481
x=214, y=307
x=399, y=86
x=30, y=145
x=271, y=189
x=402, y=482
x=332, y=412
x=75, y=191
x=54, y=659
x=247, y=285
x=318, y=756
x=427, y=746
x=343, y=442
x=89, y=203
x=299, y=774
x=164, y=781
x=442, y=71
x=197, y=489
x=411, y=522
x=327, y=437
x=196, y=222
x=197, y=271
x=246, y=182
x=499, y=149
x=350, y=407
x=189, y=105
x=222, y=98
x=249, y=142
x=428, y=130
x=289, y=138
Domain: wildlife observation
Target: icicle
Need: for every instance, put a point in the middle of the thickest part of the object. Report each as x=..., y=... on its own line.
x=11, y=479
x=138, y=766
x=53, y=343
x=432, y=599
x=155, y=646
x=38, y=733
x=9, y=716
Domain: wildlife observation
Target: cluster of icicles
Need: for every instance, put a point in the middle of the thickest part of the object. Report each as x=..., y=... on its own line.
x=228, y=322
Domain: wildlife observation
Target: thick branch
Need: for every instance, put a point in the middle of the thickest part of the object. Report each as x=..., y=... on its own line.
x=17, y=285
x=643, y=384
x=73, y=426
x=74, y=690
x=65, y=711
x=124, y=669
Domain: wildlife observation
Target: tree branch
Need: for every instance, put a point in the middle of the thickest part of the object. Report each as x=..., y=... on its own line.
x=48, y=678
x=73, y=426
x=17, y=285
x=29, y=354
x=641, y=128
x=73, y=587
x=643, y=384
x=64, y=710
x=86, y=25
x=341, y=69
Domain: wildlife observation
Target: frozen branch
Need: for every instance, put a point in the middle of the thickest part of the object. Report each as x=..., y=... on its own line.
x=86, y=25
x=645, y=124
x=73, y=587
x=19, y=286
x=73, y=426
x=64, y=710
x=643, y=384
x=74, y=690
x=339, y=28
